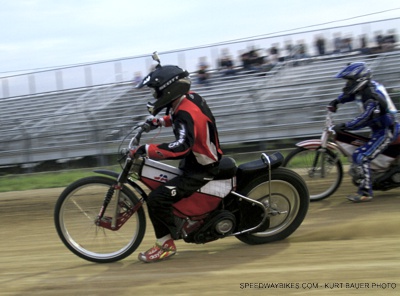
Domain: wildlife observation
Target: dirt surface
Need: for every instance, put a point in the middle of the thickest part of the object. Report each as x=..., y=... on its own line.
x=341, y=248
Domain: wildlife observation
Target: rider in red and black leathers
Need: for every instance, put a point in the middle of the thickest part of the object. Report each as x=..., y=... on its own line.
x=197, y=144
x=195, y=131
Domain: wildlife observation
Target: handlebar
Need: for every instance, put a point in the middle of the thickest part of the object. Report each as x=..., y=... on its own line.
x=142, y=128
x=329, y=124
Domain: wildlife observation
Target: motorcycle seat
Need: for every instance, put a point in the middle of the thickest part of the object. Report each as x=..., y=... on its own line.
x=259, y=165
x=227, y=168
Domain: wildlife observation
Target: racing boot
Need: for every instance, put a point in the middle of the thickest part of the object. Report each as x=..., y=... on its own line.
x=358, y=197
x=158, y=252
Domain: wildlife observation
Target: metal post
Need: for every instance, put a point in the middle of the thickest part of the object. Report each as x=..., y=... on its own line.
x=59, y=80
x=5, y=87
x=32, y=84
x=88, y=76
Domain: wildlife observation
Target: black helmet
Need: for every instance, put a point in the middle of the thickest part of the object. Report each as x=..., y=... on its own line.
x=168, y=83
x=357, y=76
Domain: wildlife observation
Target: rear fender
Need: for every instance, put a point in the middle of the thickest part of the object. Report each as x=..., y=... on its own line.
x=132, y=183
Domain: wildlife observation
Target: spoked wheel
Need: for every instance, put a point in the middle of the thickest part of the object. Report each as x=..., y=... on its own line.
x=77, y=225
x=288, y=205
x=321, y=171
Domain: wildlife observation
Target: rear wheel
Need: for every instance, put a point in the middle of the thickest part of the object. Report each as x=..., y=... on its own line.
x=288, y=204
x=76, y=222
x=322, y=171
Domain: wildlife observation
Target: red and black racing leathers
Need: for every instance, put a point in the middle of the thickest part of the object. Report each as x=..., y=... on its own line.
x=197, y=144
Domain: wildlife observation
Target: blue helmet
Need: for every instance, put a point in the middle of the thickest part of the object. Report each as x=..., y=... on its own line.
x=357, y=75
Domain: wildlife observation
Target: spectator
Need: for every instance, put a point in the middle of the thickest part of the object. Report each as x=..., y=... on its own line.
x=202, y=72
x=389, y=41
x=379, y=41
x=251, y=61
x=225, y=63
x=288, y=50
x=137, y=78
x=320, y=45
x=245, y=59
x=301, y=51
x=272, y=59
x=337, y=43
x=274, y=54
x=364, y=45
x=346, y=44
x=255, y=59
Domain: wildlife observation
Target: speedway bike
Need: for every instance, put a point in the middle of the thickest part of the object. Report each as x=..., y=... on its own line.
x=320, y=162
x=102, y=218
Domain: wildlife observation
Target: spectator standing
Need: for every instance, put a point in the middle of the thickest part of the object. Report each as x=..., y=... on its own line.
x=337, y=43
x=320, y=45
x=364, y=45
x=379, y=40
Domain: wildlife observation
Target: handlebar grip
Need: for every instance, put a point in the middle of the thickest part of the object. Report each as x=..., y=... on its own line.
x=146, y=127
x=332, y=109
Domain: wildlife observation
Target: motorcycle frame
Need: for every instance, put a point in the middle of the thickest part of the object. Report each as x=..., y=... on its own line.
x=324, y=142
x=123, y=178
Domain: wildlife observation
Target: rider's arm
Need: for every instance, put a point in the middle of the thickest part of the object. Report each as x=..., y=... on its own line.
x=345, y=98
x=184, y=141
x=166, y=121
x=341, y=99
x=365, y=118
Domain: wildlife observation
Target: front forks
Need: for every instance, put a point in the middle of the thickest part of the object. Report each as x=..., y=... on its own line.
x=101, y=220
x=319, y=153
x=119, y=217
x=117, y=193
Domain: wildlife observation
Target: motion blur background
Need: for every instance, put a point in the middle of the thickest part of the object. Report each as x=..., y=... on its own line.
x=54, y=117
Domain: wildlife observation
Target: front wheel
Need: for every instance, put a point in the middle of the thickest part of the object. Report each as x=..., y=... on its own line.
x=77, y=225
x=288, y=204
x=322, y=170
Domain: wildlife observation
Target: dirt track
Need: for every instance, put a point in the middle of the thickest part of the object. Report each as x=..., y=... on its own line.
x=341, y=248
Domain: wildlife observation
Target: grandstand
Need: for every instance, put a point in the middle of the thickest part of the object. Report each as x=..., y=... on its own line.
x=288, y=102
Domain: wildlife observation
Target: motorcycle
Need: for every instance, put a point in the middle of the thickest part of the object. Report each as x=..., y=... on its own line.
x=102, y=219
x=320, y=162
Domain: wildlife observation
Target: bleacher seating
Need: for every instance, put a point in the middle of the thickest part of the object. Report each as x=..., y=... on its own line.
x=287, y=102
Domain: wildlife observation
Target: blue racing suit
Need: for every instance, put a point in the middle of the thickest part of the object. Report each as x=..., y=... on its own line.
x=379, y=115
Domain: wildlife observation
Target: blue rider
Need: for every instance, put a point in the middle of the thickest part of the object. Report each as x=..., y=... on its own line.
x=379, y=115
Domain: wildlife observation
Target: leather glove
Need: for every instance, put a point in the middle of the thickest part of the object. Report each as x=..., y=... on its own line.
x=332, y=106
x=140, y=151
x=153, y=122
x=339, y=127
